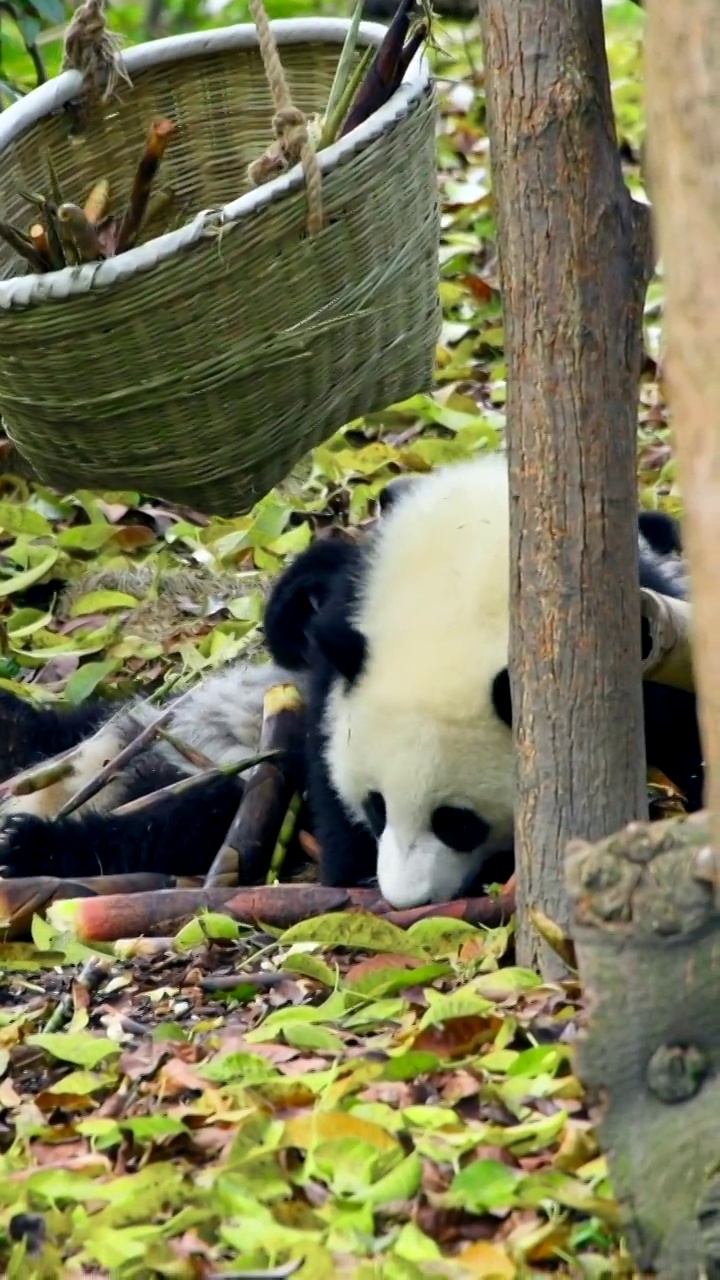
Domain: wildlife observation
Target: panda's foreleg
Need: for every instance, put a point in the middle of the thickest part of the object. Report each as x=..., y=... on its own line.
x=29, y=734
x=672, y=739
x=179, y=835
x=348, y=850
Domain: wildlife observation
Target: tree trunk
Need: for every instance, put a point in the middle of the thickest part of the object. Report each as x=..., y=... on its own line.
x=575, y=260
x=683, y=88
x=647, y=935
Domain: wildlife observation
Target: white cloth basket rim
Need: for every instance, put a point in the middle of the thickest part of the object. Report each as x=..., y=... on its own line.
x=29, y=290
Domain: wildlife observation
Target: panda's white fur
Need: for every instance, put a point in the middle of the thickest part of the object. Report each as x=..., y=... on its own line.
x=672, y=568
x=90, y=757
x=419, y=725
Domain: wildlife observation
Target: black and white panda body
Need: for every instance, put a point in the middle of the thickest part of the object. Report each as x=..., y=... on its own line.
x=221, y=718
x=404, y=643
x=399, y=645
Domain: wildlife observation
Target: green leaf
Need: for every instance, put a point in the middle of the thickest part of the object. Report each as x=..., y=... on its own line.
x=429, y=1117
x=84, y=1049
x=210, y=925
x=379, y=1012
x=359, y=931
x=30, y=29
x=51, y=1185
x=20, y=582
x=247, y=1068
x=51, y=11
x=483, y=1185
x=504, y=982
x=461, y=1004
x=42, y=933
x=78, y=1083
x=385, y=982
x=100, y=601
x=114, y=1248
x=542, y=1058
x=410, y=1065
x=292, y=541
x=172, y=1031
x=441, y=936
x=17, y=519
x=413, y=1244
x=531, y=1135
x=25, y=622
x=83, y=682
x=319, y=1039
x=401, y=1183
x=153, y=1128
x=86, y=537
x=310, y=967
x=331, y=1010
x=19, y=956
x=564, y=1189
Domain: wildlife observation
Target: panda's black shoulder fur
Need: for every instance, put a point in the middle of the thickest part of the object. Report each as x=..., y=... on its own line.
x=308, y=627
x=28, y=735
x=662, y=568
x=661, y=531
x=307, y=615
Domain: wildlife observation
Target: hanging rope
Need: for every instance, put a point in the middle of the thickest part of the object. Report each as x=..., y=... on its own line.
x=293, y=142
x=94, y=51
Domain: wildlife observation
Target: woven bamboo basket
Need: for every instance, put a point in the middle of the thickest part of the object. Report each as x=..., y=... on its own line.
x=202, y=365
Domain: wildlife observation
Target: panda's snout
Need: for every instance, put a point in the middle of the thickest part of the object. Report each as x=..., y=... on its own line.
x=417, y=872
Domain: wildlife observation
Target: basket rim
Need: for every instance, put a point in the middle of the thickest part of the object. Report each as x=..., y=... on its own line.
x=23, y=291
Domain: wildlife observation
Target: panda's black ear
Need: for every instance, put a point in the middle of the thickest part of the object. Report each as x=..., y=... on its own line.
x=341, y=645
x=393, y=492
x=301, y=592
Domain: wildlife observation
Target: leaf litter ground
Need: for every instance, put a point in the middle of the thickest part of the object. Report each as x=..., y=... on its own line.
x=345, y=1097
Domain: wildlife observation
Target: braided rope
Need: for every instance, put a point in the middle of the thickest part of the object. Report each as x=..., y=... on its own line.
x=94, y=51
x=290, y=126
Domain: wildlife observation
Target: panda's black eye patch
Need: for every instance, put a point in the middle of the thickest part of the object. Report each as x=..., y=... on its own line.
x=460, y=829
x=501, y=697
x=375, y=813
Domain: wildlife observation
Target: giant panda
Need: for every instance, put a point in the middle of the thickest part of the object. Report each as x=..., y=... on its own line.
x=404, y=643
x=399, y=645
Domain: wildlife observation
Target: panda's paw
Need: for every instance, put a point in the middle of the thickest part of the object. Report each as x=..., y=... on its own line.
x=29, y=846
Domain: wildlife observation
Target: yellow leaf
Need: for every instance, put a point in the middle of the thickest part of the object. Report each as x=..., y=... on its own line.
x=554, y=936
x=306, y=1130
x=488, y=1260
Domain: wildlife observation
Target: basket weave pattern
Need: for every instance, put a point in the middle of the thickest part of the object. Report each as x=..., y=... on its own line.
x=207, y=377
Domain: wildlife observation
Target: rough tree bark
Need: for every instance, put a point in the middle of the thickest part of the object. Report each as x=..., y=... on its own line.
x=647, y=902
x=575, y=259
x=683, y=91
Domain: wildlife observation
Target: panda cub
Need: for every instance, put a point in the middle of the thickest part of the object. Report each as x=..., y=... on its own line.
x=399, y=645
x=404, y=643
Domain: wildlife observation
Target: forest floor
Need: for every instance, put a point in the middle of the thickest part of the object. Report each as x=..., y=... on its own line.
x=344, y=1097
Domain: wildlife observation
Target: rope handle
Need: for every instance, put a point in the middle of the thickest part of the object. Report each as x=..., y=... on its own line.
x=291, y=127
x=94, y=51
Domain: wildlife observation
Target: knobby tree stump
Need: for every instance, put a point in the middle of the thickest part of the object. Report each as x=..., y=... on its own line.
x=647, y=934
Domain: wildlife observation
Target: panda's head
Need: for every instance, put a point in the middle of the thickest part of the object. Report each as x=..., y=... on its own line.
x=408, y=636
